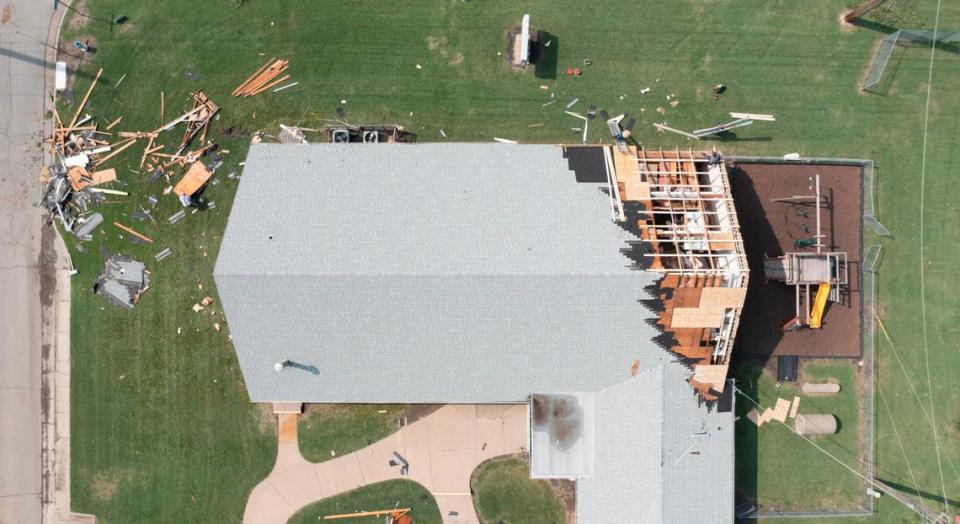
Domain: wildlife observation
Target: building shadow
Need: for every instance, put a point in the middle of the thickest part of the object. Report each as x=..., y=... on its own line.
x=769, y=304
x=544, y=55
x=747, y=443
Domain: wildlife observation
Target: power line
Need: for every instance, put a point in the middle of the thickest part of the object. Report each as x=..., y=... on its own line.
x=923, y=291
x=879, y=486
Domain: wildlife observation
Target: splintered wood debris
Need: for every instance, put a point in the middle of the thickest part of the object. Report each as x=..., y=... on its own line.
x=76, y=176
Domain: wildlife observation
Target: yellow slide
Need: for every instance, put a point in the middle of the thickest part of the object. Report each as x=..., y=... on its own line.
x=819, y=304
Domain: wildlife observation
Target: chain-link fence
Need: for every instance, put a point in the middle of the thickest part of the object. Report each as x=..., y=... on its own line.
x=904, y=37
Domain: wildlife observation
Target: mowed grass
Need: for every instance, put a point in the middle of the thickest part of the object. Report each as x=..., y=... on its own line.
x=782, y=472
x=383, y=495
x=166, y=433
x=504, y=492
x=326, y=431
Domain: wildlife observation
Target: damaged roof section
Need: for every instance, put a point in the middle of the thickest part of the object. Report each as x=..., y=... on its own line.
x=123, y=281
x=679, y=204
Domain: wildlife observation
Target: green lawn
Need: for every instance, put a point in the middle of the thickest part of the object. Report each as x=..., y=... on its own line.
x=781, y=471
x=159, y=443
x=383, y=495
x=503, y=492
x=327, y=431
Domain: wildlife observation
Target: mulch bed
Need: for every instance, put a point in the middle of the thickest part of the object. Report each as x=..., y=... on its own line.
x=769, y=229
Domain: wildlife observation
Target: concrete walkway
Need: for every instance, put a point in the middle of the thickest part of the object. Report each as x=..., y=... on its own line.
x=442, y=449
x=23, y=30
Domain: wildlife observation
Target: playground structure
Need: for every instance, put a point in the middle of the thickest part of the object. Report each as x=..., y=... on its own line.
x=803, y=270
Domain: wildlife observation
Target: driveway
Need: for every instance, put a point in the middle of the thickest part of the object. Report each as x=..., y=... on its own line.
x=23, y=29
x=442, y=449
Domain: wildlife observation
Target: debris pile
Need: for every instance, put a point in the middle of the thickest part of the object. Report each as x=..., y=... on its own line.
x=123, y=281
x=79, y=150
x=264, y=78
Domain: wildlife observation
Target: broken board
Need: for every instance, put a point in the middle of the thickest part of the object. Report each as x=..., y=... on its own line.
x=197, y=176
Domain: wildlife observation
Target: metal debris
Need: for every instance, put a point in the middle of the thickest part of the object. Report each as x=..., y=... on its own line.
x=123, y=281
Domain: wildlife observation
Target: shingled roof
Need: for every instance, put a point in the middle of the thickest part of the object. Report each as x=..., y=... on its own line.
x=465, y=273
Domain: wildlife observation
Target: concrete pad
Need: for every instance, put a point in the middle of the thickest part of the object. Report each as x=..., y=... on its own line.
x=287, y=407
x=453, y=427
x=452, y=470
x=420, y=469
x=339, y=475
x=416, y=437
x=490, y=438
x=457, y=509
x=496, y=411
x=298, y=486
x=375, y=459
x=288, y=457
x=266, y=506
x=516, y=436
x=287, y=428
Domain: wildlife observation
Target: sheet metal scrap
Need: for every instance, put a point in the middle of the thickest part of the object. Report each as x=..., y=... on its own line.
x=122, y=281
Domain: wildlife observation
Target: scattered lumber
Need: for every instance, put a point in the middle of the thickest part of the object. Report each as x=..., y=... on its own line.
x=133, y=232
x=266, y=77
x=117, y=151
x=86, y=97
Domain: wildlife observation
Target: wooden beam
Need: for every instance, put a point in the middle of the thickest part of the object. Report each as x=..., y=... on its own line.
x=262, y=68
x=115, y=122
x=133, y=232
x=86, y=97
x=116, y=151
x=271, y=84
x=377, y=513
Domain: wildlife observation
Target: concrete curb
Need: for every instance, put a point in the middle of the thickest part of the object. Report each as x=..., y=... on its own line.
x=56, y=336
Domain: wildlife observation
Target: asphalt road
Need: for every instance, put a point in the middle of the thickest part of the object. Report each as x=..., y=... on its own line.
x=23, y=29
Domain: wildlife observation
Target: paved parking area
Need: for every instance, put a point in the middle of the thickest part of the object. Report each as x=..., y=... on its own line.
x=442, y=449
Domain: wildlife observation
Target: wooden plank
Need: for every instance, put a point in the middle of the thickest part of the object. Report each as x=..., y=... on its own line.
x=104, y=176
x=377, y=513
x=195, y=178
x=143, y=157
x=261, y=69
x=688, y=317
x=115, y=122
x=723, y=297
x=755, y=116
x=271, y=84
x=781, y=410
x=714, y=375
x=274, y=71
x=794, y=407
x=133, y=232
x=270, y=73
x=86, y=97
x=117, y=151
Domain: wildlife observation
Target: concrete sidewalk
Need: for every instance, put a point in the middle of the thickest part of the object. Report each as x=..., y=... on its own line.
x=442, y=449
